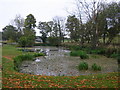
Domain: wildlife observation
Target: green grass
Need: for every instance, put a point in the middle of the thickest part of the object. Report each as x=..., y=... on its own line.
x=14, y=79
x=9, y=50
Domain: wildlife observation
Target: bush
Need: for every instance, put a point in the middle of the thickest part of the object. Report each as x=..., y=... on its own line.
x=26, y=41
x=23, y=41
x=20, y=49
x=101, y=51
x=54, y=41
x=88, y=50
x=38, y=54
x=82, y=54
x=25, y=57
x=18, y=60
x=75, y=53
x=110, y=51
x=75, y=47
x=115, y=55
x=95, y=67
x=95, y=52
x=83, y=66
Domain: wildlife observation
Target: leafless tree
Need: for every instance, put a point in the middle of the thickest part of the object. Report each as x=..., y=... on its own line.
x=90, y=10
x=18, y=22
x=60, y=24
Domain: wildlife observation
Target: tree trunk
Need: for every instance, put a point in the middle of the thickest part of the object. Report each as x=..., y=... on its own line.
x=104, y=38
x=82, y=40
x=95, y=37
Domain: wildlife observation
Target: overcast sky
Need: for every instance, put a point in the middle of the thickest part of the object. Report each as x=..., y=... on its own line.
x=43, y=10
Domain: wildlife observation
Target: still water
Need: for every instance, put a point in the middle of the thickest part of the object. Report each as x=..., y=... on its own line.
x=58, y=62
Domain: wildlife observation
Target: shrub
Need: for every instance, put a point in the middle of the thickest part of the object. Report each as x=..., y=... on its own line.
x=26, y=57
x=26, y=41
x=93, y=51
x=20, y=49
x=101, y=51
x=88, y=50
x=115, y=55
x=97, y=51
x=83, y=66
x=23, y=41
x=38, y=54
x=18, y=60
x=95, y=67
x=55, y=41
x=110, y=51
x=75, y=47
x=75, y=53
x=82, y=54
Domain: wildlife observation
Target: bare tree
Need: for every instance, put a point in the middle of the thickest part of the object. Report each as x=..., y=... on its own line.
x=59, y=23
x=90, y=11
x=18, y=22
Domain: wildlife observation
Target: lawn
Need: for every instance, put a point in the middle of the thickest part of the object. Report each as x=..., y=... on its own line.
x=10, y=51
x=14, y=79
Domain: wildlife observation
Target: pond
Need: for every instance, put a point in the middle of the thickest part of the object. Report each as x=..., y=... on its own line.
x=58, y=62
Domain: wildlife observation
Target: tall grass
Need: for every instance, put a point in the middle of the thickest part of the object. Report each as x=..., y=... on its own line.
x=95, y=67
x=83, y=66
